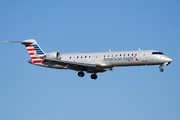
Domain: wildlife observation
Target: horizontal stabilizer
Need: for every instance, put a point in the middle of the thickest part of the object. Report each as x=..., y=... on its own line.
x=24, y=43
x=14, y=41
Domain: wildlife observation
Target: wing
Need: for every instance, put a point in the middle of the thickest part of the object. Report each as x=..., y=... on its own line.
x=90, y=68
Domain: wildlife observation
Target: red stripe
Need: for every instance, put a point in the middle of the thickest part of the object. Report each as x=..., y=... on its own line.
x=39, y=61
x=31, y=50
x=31, y=53
x=29, y=45
x=34, y=58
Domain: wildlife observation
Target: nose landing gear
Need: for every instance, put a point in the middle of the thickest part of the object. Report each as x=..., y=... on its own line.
x=161, y=69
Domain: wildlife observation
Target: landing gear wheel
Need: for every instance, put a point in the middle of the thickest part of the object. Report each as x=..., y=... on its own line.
x=81, y=74
x=94, y=76
x=161, y=69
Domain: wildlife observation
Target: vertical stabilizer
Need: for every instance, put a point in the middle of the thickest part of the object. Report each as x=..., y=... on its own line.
x=34, y=50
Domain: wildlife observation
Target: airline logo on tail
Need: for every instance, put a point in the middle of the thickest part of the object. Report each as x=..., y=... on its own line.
x=34, y=51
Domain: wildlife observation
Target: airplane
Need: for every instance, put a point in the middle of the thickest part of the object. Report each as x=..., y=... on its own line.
x=95, y=62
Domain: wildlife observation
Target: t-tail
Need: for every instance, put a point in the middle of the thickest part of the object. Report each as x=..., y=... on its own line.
x=33, y=49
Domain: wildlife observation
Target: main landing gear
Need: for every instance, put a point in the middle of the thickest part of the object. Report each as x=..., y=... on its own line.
x=93, y=76
x=81, y=74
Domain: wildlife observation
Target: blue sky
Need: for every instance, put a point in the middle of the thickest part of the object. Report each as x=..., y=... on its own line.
x=29, y=92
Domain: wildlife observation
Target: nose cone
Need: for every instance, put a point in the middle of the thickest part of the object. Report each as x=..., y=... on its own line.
x=167, y=59
x=170, y=60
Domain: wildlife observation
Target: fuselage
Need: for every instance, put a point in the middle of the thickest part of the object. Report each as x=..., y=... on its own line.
x=93, y=62
x=119, y=58
x=113, y=59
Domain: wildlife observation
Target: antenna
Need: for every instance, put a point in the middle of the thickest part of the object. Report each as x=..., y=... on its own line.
x=139, y=49
x=109, y=50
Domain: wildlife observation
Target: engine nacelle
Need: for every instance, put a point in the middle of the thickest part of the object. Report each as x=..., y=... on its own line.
x=52, y=55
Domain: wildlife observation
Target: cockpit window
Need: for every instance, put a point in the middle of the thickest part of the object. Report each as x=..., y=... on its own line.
x=157, y=53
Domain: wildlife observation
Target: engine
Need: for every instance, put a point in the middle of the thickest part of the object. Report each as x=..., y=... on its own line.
x=52, y=55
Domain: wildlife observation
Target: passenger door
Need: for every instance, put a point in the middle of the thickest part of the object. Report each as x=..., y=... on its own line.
x=144, y=57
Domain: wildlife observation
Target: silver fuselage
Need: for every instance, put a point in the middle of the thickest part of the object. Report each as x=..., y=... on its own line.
x=113, y=59
x=93, y=62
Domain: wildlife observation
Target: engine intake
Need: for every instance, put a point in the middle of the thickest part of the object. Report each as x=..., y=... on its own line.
x=52, y=55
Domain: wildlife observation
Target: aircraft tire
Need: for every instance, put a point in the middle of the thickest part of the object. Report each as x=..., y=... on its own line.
x=94, y=76
x=81, y=74
x=161, y=69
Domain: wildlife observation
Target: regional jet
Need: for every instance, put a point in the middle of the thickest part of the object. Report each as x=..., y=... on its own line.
x=93, y=62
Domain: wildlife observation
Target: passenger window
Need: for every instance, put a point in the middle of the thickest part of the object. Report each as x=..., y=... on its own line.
x=77, y=57
x=81, y=56
x=132, y=54
x=120, y=55
x=89, y=56
x=128, y=54
x=124, y=54
x=69, y=57
x=104, y=55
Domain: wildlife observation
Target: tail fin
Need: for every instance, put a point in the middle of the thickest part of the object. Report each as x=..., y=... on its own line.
x=34, y=50
x=31, y=46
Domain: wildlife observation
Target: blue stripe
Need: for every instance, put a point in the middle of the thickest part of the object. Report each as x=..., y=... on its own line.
x=40, y=53
x=37, y=49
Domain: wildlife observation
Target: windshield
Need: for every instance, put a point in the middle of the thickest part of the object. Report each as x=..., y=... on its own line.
x=157, y=53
